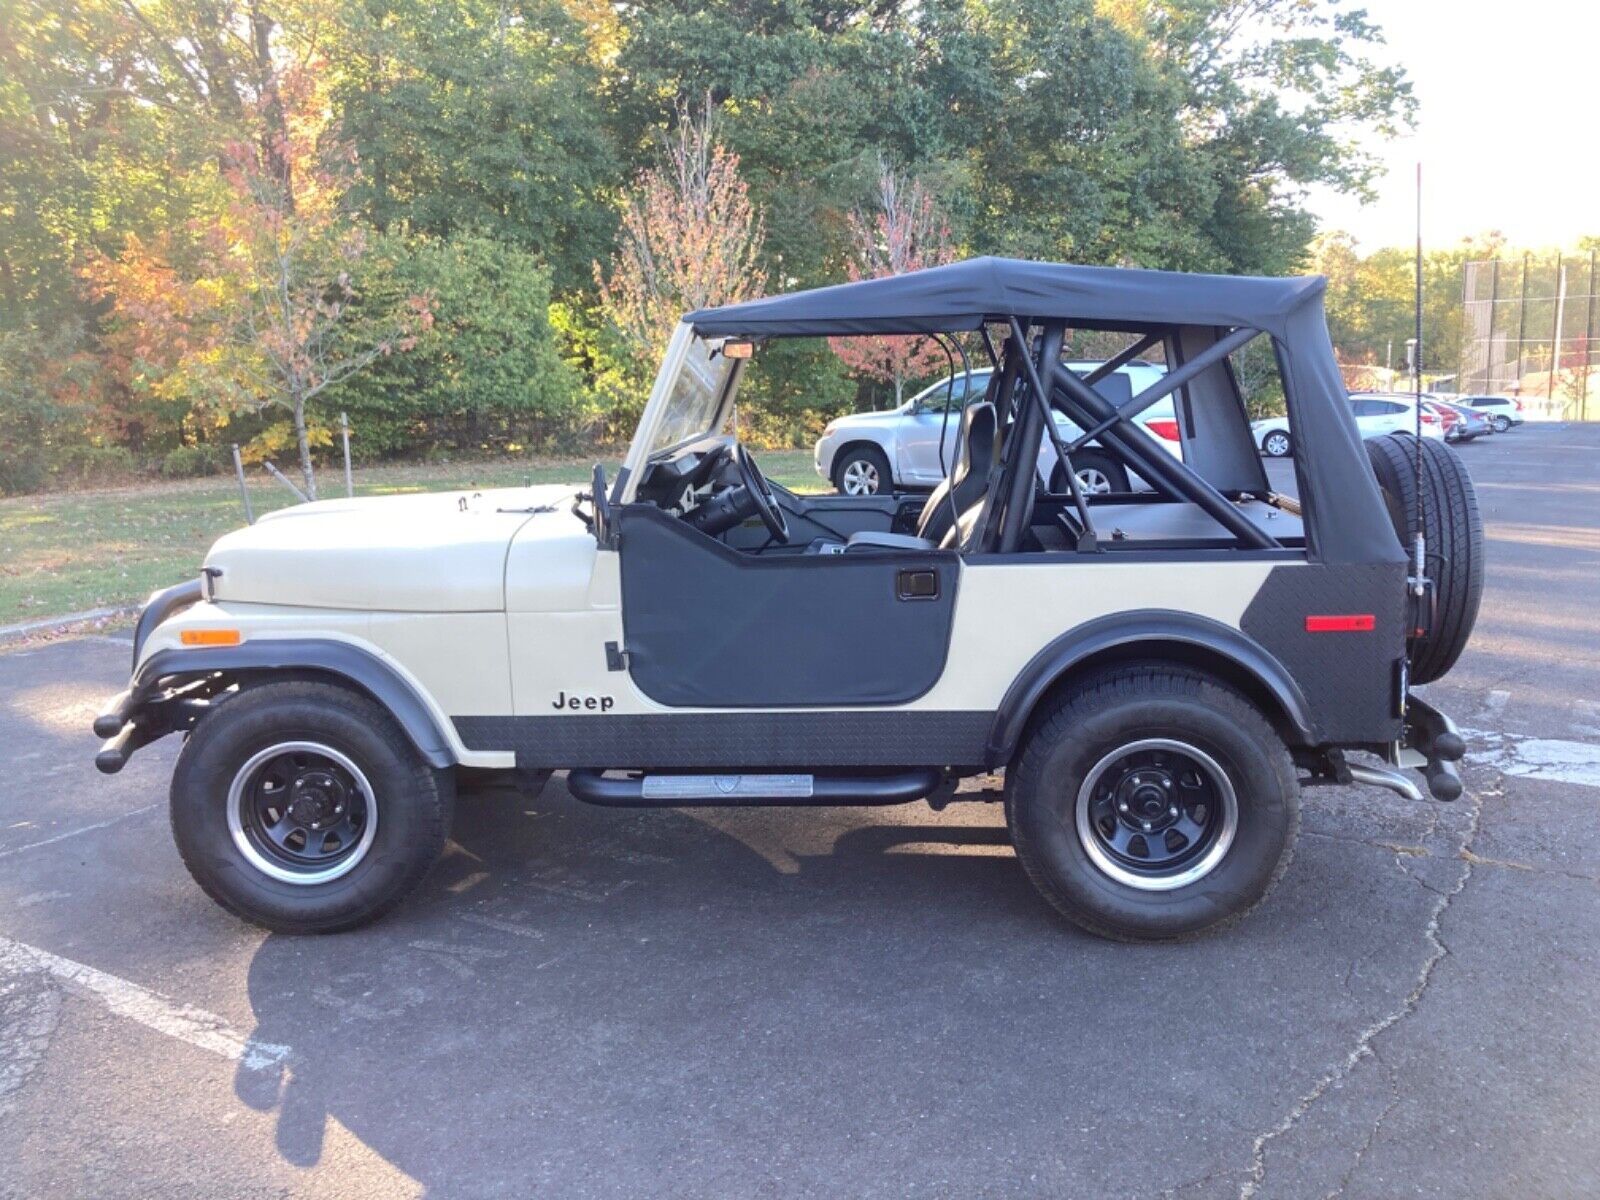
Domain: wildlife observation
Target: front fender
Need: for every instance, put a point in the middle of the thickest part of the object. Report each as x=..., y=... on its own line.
x=289, y=656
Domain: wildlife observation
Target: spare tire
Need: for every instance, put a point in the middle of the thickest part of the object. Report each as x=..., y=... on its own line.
x=1454, y=534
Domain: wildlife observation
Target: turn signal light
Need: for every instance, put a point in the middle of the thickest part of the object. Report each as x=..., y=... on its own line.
x=210, y=637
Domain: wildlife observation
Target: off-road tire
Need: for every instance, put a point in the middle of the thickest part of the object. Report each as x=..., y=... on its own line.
x=1454, y=533
x=414, y=804
x=1120, y=706
x=871, y=456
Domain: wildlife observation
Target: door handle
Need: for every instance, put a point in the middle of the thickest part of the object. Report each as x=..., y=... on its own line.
x=919, y=583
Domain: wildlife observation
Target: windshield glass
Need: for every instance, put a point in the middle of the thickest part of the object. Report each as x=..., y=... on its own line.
x=692, y=407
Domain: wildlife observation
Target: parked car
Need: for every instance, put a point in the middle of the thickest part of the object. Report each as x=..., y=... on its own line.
x=912, y=447
x=1469, y=422
x=1502, y=411
x=1395, y=412
x=1376, y=413
x=1154, y=678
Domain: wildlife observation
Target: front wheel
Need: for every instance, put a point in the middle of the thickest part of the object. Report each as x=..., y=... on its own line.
x=862, y=471
x=1152, y=802
x=302, y=807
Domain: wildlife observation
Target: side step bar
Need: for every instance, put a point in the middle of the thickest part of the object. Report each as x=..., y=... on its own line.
x=693, y=791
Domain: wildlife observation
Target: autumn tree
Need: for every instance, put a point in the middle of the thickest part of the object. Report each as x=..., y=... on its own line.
x=690, y=239
x=904, y=231
x=271, y=316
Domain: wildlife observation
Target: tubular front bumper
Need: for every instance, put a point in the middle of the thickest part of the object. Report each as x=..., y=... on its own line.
x=123, y=724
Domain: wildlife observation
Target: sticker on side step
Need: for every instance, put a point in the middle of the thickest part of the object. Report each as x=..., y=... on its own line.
x=747, y=787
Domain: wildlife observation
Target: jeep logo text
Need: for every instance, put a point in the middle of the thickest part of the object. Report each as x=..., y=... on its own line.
x=590, y=703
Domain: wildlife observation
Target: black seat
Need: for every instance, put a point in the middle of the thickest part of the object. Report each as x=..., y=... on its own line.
x=979, y=451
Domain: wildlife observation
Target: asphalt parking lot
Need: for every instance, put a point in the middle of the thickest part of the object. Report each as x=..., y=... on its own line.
x=587, y=1003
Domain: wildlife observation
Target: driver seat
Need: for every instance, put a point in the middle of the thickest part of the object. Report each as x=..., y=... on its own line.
x=969, y=480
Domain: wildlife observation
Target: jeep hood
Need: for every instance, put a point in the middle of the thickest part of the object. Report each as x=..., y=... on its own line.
x=432, y=552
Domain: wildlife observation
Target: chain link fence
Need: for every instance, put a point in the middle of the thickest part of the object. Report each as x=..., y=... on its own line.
x=1529, y=331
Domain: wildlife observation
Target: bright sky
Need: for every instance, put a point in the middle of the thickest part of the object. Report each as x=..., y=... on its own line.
x=1508, y=124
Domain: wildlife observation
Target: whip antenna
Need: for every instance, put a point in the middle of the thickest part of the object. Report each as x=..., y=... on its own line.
x=1419, y=547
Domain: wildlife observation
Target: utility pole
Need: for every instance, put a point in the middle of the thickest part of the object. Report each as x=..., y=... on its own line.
x=1522, y=318
x=1588, y=342
x=1555, y=336
x=1488, y=346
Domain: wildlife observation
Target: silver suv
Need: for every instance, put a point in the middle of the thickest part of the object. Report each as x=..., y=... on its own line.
x=911, y=447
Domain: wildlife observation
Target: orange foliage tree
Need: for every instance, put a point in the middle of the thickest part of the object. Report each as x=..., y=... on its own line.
x=262, y=308
x=690, y=238
x=905, y=231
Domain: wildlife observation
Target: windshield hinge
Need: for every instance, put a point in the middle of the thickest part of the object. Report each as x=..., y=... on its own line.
x=616, y=657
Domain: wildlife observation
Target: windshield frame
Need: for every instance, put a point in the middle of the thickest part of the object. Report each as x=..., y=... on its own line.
x=654, y=421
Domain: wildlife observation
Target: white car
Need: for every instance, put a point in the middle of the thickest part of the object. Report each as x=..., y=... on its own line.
x=1503, y=412
x=913, y=446
x=1376, y=413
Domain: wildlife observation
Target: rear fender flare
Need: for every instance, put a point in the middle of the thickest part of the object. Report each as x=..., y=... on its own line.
x=1124, y=633
x=262, y=659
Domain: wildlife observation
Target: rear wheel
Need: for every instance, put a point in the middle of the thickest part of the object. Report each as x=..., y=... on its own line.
x=1454, y=534
x=1276, y=444
x=1098, y=473
x=1152, y=802
x=302, y=807
x=1501, y=424
x=862, y=471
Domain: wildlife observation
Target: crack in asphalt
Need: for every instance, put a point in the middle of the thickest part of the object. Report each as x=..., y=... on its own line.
x=1372, y=1134
x=1256, y=1173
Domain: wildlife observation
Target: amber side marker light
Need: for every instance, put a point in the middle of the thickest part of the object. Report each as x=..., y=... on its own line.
x=210, y=637
x=1343, y=623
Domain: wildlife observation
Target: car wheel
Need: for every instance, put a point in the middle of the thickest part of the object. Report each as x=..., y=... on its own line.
x=862, y=471
x=302, y=807
x=1453, y=530
x=1098, y=474
x=1276, y=444
x=1501, y=424
x=1152, y=802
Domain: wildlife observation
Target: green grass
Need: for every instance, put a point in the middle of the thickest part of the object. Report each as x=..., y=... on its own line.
x=73, y=551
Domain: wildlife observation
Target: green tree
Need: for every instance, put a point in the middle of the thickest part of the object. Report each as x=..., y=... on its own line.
x=479, y=116
x=488, y=375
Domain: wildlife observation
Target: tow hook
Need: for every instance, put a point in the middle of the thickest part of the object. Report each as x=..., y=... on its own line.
x=1432, y=743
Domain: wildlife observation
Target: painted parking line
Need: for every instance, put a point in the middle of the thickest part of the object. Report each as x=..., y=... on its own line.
x=196, y=1026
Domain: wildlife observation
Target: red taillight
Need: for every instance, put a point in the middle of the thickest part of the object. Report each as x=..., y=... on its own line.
x=1429, y=419
x=1343, y=623
x=1518, y=403
x=1163, y=427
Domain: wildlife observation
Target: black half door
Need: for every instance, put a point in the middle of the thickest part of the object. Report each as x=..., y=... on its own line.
x=706, y=626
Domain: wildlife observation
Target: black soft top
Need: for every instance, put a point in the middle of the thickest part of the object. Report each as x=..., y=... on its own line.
x=966, y=295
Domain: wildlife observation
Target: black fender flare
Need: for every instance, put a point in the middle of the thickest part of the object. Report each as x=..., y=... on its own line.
x=1127, y=630
x=290, y=656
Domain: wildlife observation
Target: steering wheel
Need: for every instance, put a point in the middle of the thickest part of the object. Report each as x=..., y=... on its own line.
x=766, y=505
x=709, y=462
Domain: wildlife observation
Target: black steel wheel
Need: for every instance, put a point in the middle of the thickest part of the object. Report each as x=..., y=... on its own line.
x=302, y=812
x=1157, y=814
